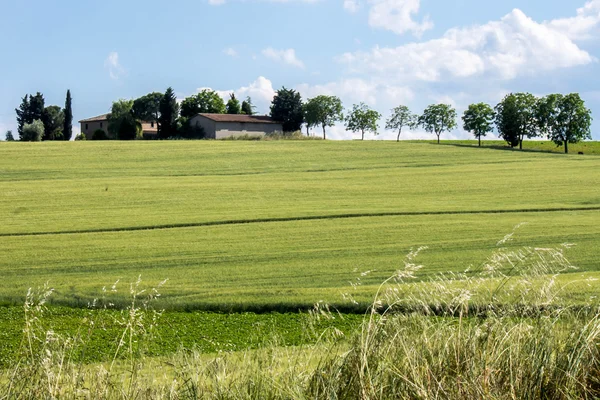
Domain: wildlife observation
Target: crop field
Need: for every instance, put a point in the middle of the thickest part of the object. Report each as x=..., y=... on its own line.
x=264, y=225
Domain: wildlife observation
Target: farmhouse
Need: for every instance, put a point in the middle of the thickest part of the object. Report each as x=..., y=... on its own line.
x=91, y=125
x=218, y=126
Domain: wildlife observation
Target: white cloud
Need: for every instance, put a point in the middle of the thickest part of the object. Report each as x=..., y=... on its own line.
x=112, y=64
x=287, y=56
x=260, y=90
x=506, y=48
x=581, y=26
x=397, y=16
x=230, y=51
x=351, y=6
x=216, y=2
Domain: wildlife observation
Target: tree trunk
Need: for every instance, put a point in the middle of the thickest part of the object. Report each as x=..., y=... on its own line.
x=363, y=135
x=323, y=132
x=399, y=132
x=438, y=135
x=479, y=140
x=307, y=133
x=521, y=142
x=566, y=147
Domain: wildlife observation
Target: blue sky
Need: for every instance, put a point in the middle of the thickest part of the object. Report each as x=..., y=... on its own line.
x=382, y=52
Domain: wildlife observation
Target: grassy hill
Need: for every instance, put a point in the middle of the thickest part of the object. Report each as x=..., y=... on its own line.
x=265, y=225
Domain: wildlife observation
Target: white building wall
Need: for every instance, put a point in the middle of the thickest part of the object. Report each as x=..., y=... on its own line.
x=227, y=129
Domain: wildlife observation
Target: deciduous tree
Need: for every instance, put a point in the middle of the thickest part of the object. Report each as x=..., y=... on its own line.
x=33, y=132
x=9, y=136
x=323, y=111
x=287, y=108
x=478, y=119
x=169, y=111
x=53, y=119
x=68, y=120
x=362, y=119
x=438, y=118
x=233, y=105
x=121, y=123
x=207, y=101
x=146, y=108
x=515, y=118
x=247, y=106
x=565, y=119
x=401, y=117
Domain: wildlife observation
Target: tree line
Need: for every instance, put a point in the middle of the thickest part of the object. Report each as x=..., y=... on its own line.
x=36, y=121
x=561, y=118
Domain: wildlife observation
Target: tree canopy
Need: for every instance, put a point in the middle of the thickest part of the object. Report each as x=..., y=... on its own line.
x=30, y=109
x=438, y=118
x=565, y=119
x=9, y=136
x=323, y=111
x=53, y=119
x=362, y=119
x=33, y=132
x=169, y=111
x=233, y=105
x=401, y=117
x=207, y=101
x=146, y=108
x=516, y=118
x=287, y=108
x=121, y=122
x=247, y=106
x=478, y=119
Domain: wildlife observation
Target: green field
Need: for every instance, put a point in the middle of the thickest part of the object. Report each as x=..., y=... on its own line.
x=276, y=225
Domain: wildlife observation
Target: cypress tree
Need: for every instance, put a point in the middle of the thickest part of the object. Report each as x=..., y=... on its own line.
x=23, y=115
x=169, y=111
x=68, y=124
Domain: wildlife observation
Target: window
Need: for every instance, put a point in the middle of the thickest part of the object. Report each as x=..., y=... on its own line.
x=86, y=126
x=100, y=124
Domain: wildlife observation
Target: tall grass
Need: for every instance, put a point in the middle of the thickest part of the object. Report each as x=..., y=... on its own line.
x=516, y=341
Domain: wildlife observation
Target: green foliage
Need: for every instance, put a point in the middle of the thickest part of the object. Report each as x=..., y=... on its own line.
x=323, y=111
x=233, y=105
x=169, y=112
x=80, y=136
x=564, y=119
x=516, y=118
x=100, y=134
x=31, y=108
x=362, y=119
x=288, y=109
x=23, y=114
x=33, y=132
x=478, y=119
x=401, y=117
x=207, y=101
x=68, y=118
x=53, y=119
x=438, y=118
x=9, y=136
x=121, y=123
x=146, y=108
x=186, y=131
x=248, y=107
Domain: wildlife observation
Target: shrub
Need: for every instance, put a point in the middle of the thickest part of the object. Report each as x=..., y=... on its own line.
x=33, y=132
x=80, y=136
x=99, y=134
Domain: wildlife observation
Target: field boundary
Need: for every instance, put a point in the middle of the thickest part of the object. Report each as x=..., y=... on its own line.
x=298, y=218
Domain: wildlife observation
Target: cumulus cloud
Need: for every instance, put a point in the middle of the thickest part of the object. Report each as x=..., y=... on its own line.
x=398, y=16
x=507, y=48
x=583, y=25
x=114, y=67
x=260, y=90
x=287, y=56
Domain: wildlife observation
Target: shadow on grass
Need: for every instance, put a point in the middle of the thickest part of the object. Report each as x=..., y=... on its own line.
x=500, y=147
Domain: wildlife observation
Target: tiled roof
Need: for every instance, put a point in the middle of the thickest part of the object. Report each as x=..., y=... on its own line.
x=102, y=117
x=250, y=119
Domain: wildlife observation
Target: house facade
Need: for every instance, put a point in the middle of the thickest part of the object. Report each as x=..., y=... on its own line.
x=91, y=125
x=219, y=126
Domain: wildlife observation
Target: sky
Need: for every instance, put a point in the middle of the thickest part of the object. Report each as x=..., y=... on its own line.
x=381, y=52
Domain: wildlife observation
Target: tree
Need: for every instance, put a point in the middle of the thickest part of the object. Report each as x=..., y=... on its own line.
x=169, y=111
x=564, y=119
x=515, y=118
x=247, y=106
x=53, y=119
x=287, y=108
x=146, y=108
x=438, y=118
x=362, y=119
x=33, y=132
x=121, y=123
x=23, y=115
x=478, y=119
x=207, y=101
x=233, y=105
x=36, y=106
x=401, y=117
x=324, y=111
x=68, y=118
x=9, y=136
